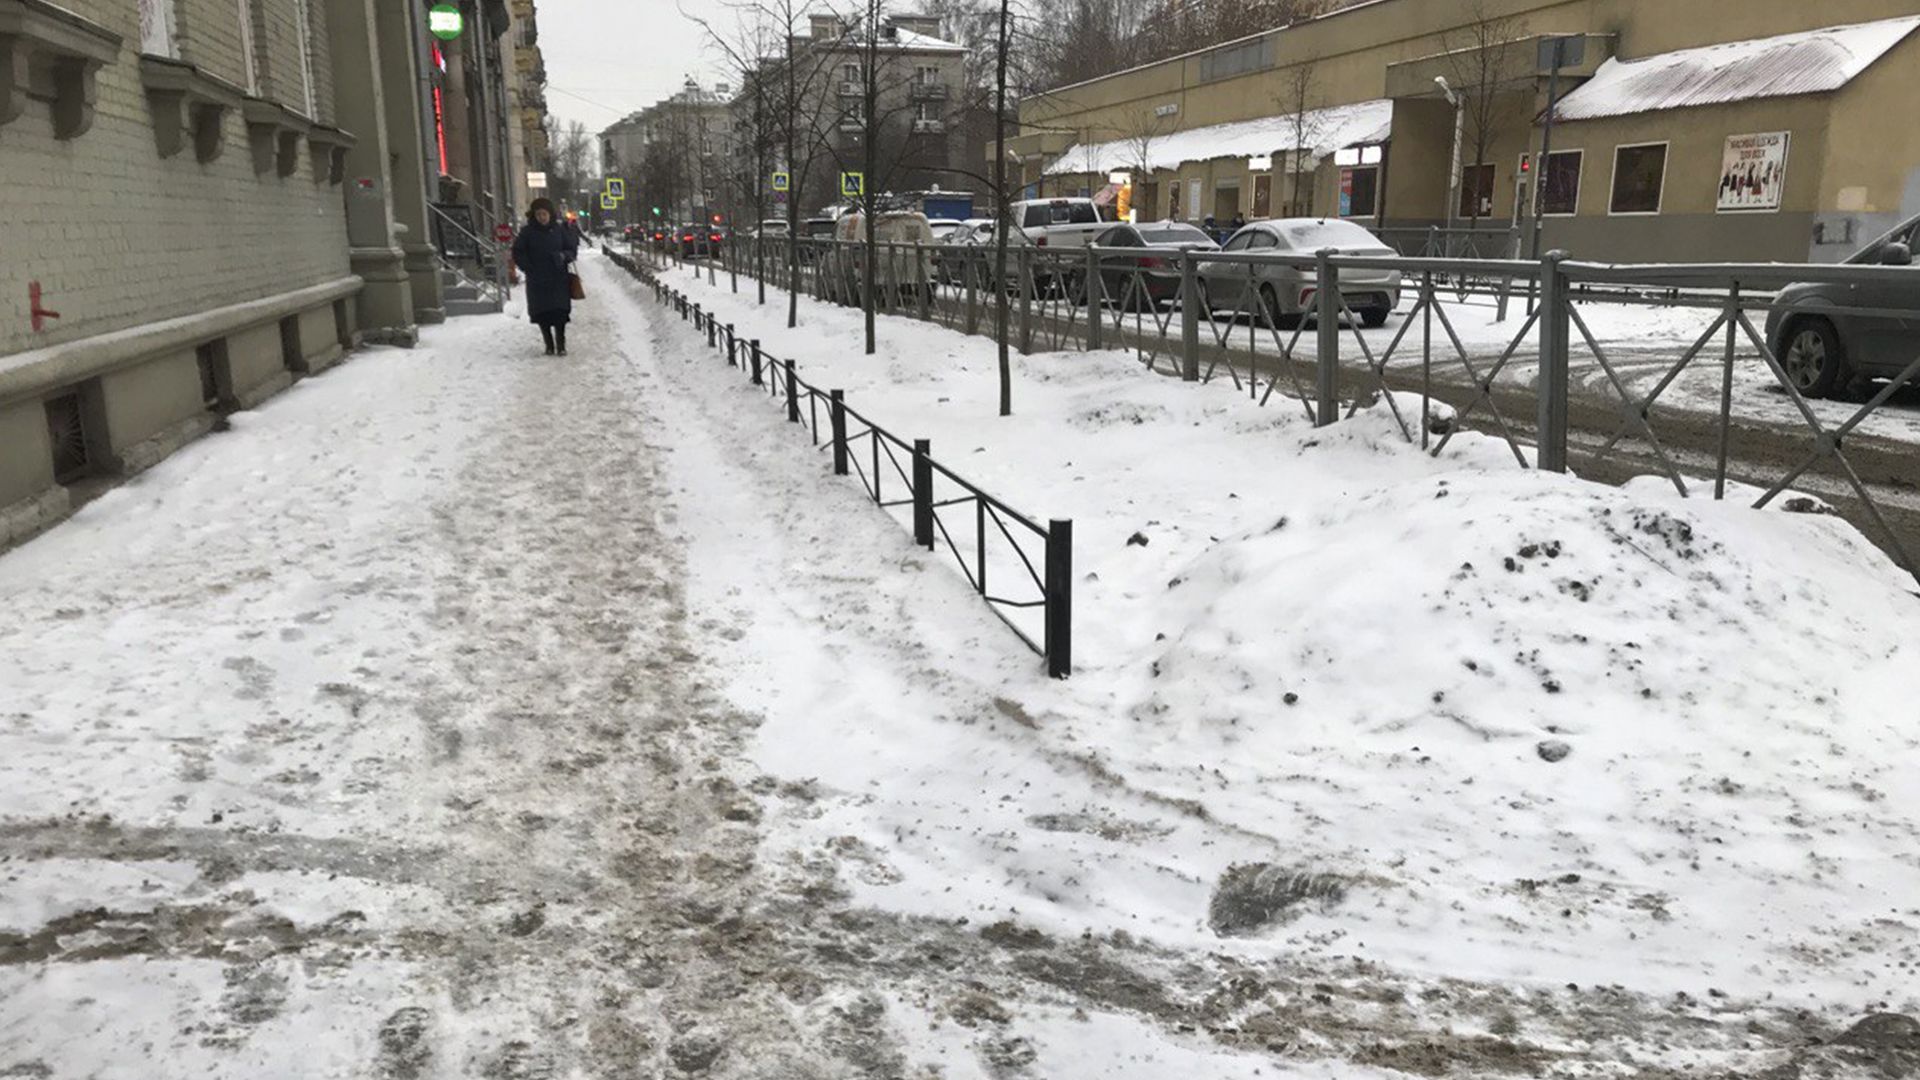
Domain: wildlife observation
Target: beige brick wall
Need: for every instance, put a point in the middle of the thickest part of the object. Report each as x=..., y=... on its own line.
x=118, y=236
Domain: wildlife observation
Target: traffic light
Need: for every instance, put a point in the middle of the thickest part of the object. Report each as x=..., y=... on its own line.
x=656, y=211
x=1526, y=164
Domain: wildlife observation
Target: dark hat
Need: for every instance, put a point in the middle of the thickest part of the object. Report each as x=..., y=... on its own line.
x=541, y=204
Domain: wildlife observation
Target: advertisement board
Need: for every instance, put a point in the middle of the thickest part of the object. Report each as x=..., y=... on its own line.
x=1753, y=171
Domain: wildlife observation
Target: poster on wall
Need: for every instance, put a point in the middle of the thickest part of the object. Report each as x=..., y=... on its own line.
x=1753, y=171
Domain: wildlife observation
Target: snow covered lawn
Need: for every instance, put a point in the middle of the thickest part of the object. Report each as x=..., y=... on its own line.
x=1537, y=729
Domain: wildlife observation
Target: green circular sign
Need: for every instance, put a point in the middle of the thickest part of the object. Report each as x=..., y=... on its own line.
x=445, y=22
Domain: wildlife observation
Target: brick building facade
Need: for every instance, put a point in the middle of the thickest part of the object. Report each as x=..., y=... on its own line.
x=206, y=199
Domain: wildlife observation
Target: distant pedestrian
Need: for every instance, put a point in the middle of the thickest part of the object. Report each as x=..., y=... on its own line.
x=1239, y=221
x=545, y=252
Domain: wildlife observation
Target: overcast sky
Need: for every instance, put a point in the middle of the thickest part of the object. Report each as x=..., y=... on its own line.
x=607, y=58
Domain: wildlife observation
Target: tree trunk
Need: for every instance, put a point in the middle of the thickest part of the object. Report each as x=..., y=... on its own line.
x=1003, y=213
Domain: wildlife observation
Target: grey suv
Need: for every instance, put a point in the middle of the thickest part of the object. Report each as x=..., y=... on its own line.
x=1826, y=351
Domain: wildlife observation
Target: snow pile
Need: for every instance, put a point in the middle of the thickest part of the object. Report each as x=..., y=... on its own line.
x=1320, y=131
x=1811, y=62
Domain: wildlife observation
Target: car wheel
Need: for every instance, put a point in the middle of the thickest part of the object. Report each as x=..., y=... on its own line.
x=1814, y=359
x=1373, y=317
x=1270, y=309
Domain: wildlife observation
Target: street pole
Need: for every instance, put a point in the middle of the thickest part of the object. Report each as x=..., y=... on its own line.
x=1453, y=177
x=1546, y=145
x=1559, y=47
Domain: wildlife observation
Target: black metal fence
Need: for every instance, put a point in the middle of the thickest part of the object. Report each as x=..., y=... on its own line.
x=1313, y=331
x=989, y=540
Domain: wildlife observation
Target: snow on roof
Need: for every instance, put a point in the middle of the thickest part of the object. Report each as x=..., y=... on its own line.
x=1812, y=62
x=1325, y=130
x=908, y=39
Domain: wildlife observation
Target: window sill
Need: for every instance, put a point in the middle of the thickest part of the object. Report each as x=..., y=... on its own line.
x=52, y=55
x=330, y=146
x=189, y=106
x=273, y=135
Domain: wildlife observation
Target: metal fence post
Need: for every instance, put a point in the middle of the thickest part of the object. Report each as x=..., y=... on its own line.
x=1189, y=317
x=1059, y=610
x=712, y=334
x=1026, y=288
x=923, y=493
x=1327, y=345
x=1555, y=324
x=793, y=395
x=920, y=277
x=753, y=348
x=973, y=281
x=1095, y=291
x=837, y=416
x=733, y=344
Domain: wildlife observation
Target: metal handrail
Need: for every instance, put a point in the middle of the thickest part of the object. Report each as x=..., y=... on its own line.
x=498, y=289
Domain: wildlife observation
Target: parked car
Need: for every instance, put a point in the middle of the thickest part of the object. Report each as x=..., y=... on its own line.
x=1042, y=281
x=1058, y=223
x=943, y=228
x=1150, y=277
x=1829, y=352
x=814, y=228
x=895, y=261
x=949, y=265
x=1283, y=294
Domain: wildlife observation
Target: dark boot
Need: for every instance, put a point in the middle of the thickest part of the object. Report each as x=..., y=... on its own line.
x=560, y=338
x=546, y=334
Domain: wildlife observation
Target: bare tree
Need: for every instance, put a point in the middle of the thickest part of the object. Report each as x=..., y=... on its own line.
x=1481, y=54
x=1299, y=94
x=1003, y=210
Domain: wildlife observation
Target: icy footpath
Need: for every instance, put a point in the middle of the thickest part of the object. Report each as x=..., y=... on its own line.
x=1524, y=728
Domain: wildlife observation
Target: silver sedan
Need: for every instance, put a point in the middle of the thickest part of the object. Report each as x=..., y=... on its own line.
x=1283, y=295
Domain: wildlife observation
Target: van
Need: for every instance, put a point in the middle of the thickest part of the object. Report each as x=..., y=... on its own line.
x=898, y=268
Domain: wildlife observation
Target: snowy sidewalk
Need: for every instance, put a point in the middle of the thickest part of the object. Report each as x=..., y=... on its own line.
x=466, y=712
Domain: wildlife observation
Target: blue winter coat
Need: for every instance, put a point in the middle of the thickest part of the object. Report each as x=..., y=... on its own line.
x=543, y=253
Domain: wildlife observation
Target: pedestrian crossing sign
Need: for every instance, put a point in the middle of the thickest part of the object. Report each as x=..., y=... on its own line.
x=853, y=184
x=608, y=202
x=781, y=181
x=616, y=188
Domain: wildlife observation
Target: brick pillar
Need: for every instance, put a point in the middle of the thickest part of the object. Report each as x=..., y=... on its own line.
x=385, y=306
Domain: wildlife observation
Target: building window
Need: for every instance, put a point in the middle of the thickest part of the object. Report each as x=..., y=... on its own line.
x=926, y=76
x=157, y=33
x=248, y=61
x=303, y=39
x=1359, y=191
x=926, y=110
x=1560, y=183
x=850, y=73
x=1476, y=191
x=1359, y=180
x=1639, y=176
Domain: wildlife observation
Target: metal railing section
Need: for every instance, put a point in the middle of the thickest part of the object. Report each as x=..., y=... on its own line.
x=1010, y=560
x=1313, y=350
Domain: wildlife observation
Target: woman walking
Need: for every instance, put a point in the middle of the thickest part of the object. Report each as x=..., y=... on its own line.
x=544, y=251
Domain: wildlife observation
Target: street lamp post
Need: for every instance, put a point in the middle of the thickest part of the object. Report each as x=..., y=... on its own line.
x=1453, y=178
